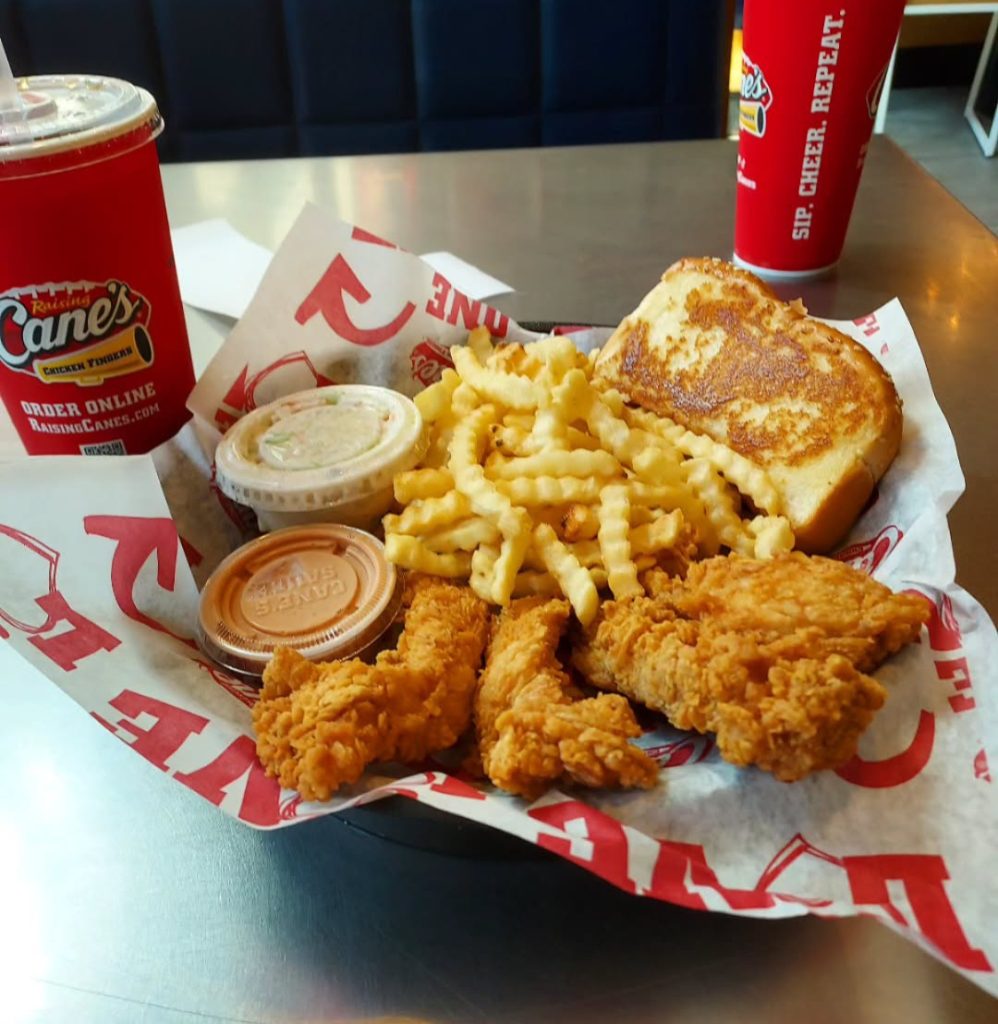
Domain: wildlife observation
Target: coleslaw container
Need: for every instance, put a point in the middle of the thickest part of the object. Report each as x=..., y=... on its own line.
x=325, y=455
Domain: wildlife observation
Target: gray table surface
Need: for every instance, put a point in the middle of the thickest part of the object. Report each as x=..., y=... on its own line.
x=129, y=899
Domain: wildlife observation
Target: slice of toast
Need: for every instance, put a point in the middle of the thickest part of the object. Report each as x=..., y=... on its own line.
x=713, y=348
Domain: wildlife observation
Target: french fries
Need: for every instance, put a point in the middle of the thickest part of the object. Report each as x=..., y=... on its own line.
x=414, y=484
x=614, y=541
x=412, y=553
x=575, y=582
x=537, y=482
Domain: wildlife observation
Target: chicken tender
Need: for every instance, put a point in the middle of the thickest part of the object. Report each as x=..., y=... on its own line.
x=318, y=726
x=532, y=727
x=769, y=655
x=856, y=615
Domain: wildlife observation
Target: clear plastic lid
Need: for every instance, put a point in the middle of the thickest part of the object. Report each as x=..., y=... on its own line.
x=325, y=590
x=320, y=448
x=58, y=112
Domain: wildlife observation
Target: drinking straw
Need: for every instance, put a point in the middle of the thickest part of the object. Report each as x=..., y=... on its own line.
x=10, y=99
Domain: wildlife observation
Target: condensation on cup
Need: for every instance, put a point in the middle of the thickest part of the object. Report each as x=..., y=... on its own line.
x=94, y=356
x=812, y=76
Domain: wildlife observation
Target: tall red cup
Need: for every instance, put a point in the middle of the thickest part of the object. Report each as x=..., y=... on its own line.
x=94, y=356
x=812, y=74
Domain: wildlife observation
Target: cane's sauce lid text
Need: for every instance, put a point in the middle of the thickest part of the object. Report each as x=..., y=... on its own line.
x=325, y=590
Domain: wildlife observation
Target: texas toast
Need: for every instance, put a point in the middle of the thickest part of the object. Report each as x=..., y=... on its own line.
x=712, y=347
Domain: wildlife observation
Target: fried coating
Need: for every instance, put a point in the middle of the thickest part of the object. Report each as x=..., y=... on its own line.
x=673, y=561
x=857, y=616
x=318, y=726
x=769, y=655
x=532, y=728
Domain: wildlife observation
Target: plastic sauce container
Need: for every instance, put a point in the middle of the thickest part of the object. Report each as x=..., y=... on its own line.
x=326, y=455
x=326, y=590
x=94, y=356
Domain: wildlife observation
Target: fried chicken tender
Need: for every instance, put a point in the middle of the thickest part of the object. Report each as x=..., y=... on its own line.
x=318, y=726
x=532, y=727
x=769, y=655
x=857, y=616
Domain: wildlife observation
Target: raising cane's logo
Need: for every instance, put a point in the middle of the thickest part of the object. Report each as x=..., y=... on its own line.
x=78, y=332
x=756, y=99
x=866, y=555
x=429, y=360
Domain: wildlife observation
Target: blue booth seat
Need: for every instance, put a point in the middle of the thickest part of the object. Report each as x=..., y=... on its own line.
x=352, y=75
x=477, y=73
x=259, y=78
x=226, y=74
x=604, y=78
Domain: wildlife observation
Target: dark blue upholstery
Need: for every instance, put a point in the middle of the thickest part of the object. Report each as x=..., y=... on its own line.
x=225, y=65
x=13, y=37
x=696, y=87
x=603, y=75
x=255, y=78
x=352, y=75
x=600, y=57
x=112, y=37
x=477, y=73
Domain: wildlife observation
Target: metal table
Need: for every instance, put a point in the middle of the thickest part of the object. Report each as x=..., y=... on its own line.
x=129, y=899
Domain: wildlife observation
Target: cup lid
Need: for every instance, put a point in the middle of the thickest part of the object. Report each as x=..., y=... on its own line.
x=65, y=111
x=326, y=590
x=319, y=448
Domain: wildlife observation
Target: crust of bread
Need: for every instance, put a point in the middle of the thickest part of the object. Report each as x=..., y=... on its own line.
x=836, y=512
x=713, y=348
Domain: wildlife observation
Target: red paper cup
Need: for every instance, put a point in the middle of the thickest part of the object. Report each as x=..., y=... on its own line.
x=812, y=74
x=94, y=357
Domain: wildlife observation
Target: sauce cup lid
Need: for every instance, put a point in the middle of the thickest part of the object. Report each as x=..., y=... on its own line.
x=319, y=448
x=326, y=590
